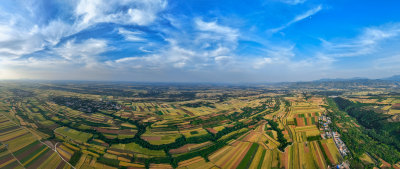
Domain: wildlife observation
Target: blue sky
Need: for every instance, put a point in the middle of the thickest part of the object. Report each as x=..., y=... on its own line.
x=199, y=40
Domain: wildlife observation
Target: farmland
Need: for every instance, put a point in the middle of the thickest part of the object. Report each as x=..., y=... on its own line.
x=65, y=125
x=21, y=149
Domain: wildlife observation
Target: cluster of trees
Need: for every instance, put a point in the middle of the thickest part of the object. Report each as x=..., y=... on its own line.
x=108, y=161
x=166, y=96
x=210, y=121
x=207, y=151
x=313, y=138
x=282, y=140
x=91, y=90
x=357, y=139
x=376, y=124
x=75, y=158
x=179, y=142
x=199, y=104
x=247, y=112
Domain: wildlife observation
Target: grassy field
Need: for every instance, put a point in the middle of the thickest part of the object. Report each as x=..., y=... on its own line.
x=25, y=148
x=230, y=128
x=138, y=149
x=73, y=134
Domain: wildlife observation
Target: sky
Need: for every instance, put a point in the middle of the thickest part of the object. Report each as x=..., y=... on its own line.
x=199, y=40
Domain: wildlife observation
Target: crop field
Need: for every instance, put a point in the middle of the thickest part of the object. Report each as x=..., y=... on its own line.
x=365, y=158
x=73, y=134
x=190, y=147
x=65, y=152
x=7, y=160
x=158, y=127
x=27, y=151
x=138, y=149
x=195, y=163
x=194, y=132
x=87, y=161
x=231, y=158
x=330, y=150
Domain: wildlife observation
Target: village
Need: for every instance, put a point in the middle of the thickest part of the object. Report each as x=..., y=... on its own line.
x=324, y=123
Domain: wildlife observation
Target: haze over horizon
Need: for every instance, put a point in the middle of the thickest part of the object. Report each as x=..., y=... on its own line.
x=198, y=41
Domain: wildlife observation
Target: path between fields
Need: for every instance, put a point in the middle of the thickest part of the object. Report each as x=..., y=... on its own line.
x=55, y=149
x=40, y=142
x=7, y=146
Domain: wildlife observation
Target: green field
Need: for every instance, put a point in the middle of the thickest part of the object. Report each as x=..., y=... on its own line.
x=73, y=134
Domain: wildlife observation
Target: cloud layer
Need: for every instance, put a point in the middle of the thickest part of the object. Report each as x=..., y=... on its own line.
x=160, y=40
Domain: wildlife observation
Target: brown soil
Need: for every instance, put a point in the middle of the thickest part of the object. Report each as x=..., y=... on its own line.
x=108, y=131
x=5, y=120
x=8, y=157
x=233, y=154
x=61, y=165
x=60, y=149
x=186, y=148
x=127, y=132
x=187, y=111
x=328, y=153
x=211, y=130
x=385, y=164
x=190, y=161
x=39, y=161
x=396, y=106
x=119, y=150
x=134, y=168
x=248, y=137
x=235, y=143
x=16, y=137
x=28, y=152
x=8, y=129
x=306, y=148
x=300, y=121
x=12, y=165
x=141, y=109
x=308, y=120
x=237, y=162
x=286, y=158
x=182, y=149
x=319, y=161
x=5, y=133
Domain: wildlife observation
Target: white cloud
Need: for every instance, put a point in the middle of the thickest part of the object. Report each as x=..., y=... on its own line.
x=86, y=52
x=191, y=45
x=137, y=12
x=231, y=34
x=174, y=56
x=306, y=14
x=259, y=63
x=131, y=35
x=16, y=40
x=72, y=60
x=21, y=35
x=298, y=18
x=275, y=55
x=211, y=44
x=388, y=64
x=365, y=43
x=293, y=2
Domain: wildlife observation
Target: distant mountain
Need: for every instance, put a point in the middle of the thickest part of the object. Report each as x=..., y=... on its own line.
x=393, y=78
x=350, y=83
x=341, y=79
